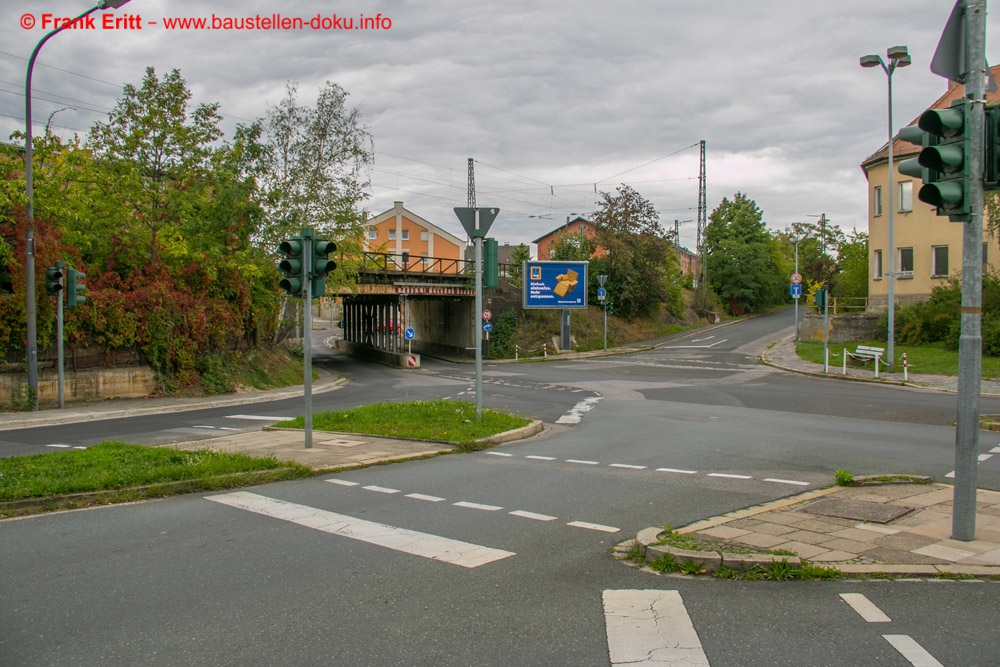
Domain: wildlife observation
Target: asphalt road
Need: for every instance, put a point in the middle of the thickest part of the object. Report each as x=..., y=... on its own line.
x=501, y=557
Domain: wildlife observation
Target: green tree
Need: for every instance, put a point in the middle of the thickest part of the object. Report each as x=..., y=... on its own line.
x=568, y=247
x=518, y=257
x=852, y=260
x=742, y=258
x=642, y=268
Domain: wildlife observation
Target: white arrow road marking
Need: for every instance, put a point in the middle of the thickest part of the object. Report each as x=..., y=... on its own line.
x=412, y=542
x=651, y=628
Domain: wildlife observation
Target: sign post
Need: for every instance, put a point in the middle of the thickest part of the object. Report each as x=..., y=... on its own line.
x=602, y=296
x=477, y=222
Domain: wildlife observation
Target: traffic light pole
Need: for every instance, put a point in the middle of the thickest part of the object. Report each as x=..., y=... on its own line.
x=963, y=525
x=59, y=337
x=307, y=248
x=478, y=243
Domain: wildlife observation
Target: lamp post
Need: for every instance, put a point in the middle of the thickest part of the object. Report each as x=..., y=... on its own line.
x=31, y=333
x=898, y=57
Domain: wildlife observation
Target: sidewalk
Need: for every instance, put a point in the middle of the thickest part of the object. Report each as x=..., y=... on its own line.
x=782, y=355
x=896, y=529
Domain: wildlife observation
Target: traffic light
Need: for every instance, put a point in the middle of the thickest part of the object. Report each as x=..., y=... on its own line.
x=946, y=155
x=321, y=266
x=76, y=291
x=819, y=298
x=291, y=266
x=991, y=165
x=53, y=281
x=491, y=263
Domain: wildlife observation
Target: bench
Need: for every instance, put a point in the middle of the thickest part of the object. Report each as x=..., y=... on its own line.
x=866, y=353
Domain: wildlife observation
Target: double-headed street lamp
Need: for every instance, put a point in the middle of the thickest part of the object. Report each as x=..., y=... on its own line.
x=898, y=57
x=31, y=332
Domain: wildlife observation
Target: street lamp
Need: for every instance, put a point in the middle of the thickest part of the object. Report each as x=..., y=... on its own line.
x=29, y=237
x=898, y=57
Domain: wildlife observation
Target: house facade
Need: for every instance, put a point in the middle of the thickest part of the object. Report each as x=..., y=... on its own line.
x=928, y=247
x=423, y=245
x=578, y=225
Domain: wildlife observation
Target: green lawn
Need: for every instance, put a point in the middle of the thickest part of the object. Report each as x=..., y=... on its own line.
x=112, y=466
x=449, y=421
x=933, y=358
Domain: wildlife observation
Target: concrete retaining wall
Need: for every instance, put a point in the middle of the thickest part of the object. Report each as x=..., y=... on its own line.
x=83, y=385
x=401, y=359
x=843, y=328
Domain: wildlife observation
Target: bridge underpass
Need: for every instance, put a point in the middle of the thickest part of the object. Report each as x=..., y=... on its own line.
x=435, y=298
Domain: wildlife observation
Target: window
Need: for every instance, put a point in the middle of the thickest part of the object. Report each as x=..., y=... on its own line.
x=406, y=234
x=392, y=234
x=423, y=236
x=877, y=265
x=905, y=197
x=372, y=234
x=423, y=258
x=906, y=261
x=877, y=201
x=939, y=260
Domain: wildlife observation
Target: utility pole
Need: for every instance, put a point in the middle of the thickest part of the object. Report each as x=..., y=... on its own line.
x=702, y=223
x=472, y=184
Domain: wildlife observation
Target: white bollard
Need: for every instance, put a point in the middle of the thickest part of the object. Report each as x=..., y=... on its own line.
x=844, y=372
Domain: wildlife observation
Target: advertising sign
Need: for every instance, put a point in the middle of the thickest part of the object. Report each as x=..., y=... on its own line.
x=555, y=284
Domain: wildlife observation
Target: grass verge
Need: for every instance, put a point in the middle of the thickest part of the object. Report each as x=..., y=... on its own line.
x=448, y=421
x=127, y=472
x=932, y=358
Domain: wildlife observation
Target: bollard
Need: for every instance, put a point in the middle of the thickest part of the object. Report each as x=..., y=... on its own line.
x=545, y=350
x=844, y=371
x=906, y=373
x=517, y=349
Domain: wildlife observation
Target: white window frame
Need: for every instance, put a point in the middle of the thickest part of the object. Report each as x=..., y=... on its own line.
x=905, y=197
x=936, y=271
x=877, y=264
x=899, y=262
x=372, y=234
x=392, y=234
x=423, y=236
x=406, y=234
x=877, y=201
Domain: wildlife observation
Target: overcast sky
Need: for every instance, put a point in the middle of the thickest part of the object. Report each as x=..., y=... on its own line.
x=552, y=99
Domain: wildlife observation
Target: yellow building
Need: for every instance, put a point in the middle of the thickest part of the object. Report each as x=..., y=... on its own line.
x=928, y=246
x=414, y=242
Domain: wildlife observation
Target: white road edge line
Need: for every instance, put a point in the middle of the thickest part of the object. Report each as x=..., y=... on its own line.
x=262, y=418
x=499, y=454
x=477, y=506
x=379, y=489
x=541, y=458
x=532, y=515
x=626, y=465
x=342, y=482
x=651, y=628
x=786, y=481
x=728, y=476
x=430, y=499
x=586, y=463
x=678, y=471
x=446, y=550
x=916, y=654
x=865, y=608
x=593, y=526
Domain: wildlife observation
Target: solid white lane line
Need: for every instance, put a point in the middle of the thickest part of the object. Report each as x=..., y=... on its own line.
x=478, y=506
x=412, y=542
x=728, y=476
x=586, y=463
x=626, y=465
x=379, y=489
x=499, y=454
x=343, y=482
x=681, y=472
x=786, y=481
x=593, y=526
x=865, y=608
x=912, y=651
x=420, y=496
x=262, y=418
x=532, y=515
x=541, y=458
x=647, y=628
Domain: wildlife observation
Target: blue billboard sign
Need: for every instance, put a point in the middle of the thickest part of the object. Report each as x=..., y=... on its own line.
x=555, y=284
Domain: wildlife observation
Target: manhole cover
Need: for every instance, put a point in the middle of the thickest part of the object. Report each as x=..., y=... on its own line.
x=342, y=442
x=857, y=510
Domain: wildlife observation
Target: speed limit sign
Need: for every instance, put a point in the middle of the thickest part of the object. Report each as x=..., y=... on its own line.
x=487, y=315
x=796, y=278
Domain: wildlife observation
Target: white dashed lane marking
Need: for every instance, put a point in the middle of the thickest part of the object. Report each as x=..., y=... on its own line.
x=263, y=418
x=430, y=499
x=593, y=526
x=477, y=506
x=627, y=465
x=786, y=481
x=533, y=515
x=916, y=654
x=675, y=470
x=728, y=476
x=652, y=627
x=499, y=454
x=380, y=489
x=412, y=542
x=343, y=482
x=865, y=608
x=541, y=458
x=586, y=463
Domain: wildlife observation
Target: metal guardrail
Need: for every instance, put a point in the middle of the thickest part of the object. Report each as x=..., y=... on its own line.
x=385, y=263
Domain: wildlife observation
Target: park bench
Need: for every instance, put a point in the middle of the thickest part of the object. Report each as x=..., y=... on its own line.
x=866, y=353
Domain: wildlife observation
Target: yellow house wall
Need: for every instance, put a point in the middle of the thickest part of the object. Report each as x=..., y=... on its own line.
x=920, y=229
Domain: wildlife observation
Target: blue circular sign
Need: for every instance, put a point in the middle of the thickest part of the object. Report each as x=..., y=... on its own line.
x=487, y=327
x=410, y=333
